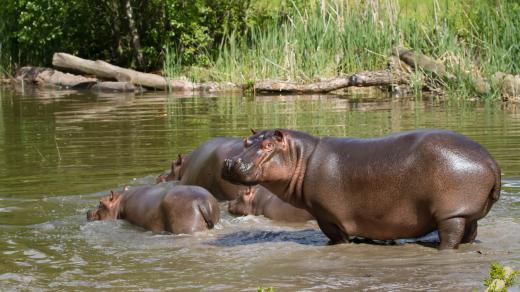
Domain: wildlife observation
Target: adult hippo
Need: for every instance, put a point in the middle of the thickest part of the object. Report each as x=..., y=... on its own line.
x=203, y=166
x=399, y=186
x=181, y=209
x=258, y=200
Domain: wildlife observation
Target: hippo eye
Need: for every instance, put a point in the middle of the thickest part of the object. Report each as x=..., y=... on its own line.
x=269, y=146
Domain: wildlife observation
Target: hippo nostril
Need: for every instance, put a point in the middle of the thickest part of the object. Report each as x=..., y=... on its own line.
x=228, y=163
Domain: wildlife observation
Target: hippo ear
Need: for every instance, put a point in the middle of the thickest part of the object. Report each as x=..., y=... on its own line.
x=279, y=135
x=179, y=160
x=254, y=131
x=111, y=196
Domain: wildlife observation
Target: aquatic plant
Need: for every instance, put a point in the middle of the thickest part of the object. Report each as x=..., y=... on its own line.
x=500, y=278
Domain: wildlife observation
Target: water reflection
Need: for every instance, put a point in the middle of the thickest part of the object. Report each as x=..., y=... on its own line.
x=61, y=151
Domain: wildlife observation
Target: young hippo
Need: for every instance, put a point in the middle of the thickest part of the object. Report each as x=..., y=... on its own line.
x=181, y=209
x=257, y=201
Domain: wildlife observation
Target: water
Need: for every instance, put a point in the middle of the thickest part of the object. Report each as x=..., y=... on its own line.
x=61, y=151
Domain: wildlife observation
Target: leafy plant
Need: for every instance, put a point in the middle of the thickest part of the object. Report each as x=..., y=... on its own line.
x=500, y=278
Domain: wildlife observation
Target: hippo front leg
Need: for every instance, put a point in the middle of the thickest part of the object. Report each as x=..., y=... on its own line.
x=333, y=232
x=451, y=232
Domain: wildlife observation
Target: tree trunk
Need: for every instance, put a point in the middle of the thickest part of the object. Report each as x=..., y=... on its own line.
x=52, y=78
x=361, y=79
x=136, y=43
x=108, y=71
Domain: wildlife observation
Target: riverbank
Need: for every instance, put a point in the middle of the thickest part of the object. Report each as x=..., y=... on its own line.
x=396, y=78
x=473, y=39
x=301, y=42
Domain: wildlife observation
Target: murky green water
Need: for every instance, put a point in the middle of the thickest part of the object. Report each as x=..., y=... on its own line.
x=59, y=152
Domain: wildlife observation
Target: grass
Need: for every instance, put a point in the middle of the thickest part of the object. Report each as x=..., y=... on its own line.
x=333, y=37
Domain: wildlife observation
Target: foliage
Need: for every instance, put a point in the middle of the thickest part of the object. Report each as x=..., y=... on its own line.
x=32, y=30
x=243, y=41
x=260, y=289
x=500, y=278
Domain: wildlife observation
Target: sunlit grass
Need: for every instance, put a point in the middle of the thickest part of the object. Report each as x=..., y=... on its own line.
x=330, y=38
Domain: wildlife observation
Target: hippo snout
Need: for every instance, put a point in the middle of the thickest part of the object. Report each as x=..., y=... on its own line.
x=237, y=171
x=92, y=215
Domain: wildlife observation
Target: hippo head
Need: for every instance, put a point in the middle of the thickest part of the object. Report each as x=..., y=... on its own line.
x=175, y=171
x=265, y=158
x=108, y=208
x=244, y=204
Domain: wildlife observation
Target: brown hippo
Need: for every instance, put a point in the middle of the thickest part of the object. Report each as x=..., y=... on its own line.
x=203, y=167
x=181, y=209
x=257, y=201
x=400, y=186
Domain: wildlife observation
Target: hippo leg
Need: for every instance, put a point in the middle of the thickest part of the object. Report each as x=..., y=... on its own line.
x=470, y=233
x=333, y=232
x=451, y=232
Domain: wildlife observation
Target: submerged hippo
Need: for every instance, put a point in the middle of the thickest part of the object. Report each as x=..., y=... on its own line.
x=400, y=186
x=175, y=171
x=181, y=209
x=257, y=201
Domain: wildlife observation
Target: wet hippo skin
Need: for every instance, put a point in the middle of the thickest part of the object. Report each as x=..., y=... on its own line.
x=181, y=209
x=203, y=167
x=259, y=201
x=400, y=186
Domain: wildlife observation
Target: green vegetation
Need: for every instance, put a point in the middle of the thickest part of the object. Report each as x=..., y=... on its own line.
x=500, y=278
x=244, y=41
x=270, y=289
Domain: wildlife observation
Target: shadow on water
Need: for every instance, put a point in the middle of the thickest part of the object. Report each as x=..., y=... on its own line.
x=246, y=237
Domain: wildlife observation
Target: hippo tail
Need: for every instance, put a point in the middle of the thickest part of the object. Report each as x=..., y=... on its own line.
x=205, y=210
x=495, y=191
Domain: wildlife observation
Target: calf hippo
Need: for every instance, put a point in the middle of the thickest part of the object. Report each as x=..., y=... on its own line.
x=181, y=209
x=257, y=201
x=399, y=186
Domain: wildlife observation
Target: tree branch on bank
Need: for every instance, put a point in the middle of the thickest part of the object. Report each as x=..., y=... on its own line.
x=108, y=71
x=361, y=79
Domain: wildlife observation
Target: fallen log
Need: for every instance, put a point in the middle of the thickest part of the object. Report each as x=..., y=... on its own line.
x=48, y=77
x=361, y=79
x=52, y=78
x=106, y=70
x=422, y=62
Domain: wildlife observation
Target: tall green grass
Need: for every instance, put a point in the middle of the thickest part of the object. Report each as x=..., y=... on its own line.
x=328, y=38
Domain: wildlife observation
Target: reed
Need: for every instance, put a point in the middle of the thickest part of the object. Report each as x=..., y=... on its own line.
x=332, y=37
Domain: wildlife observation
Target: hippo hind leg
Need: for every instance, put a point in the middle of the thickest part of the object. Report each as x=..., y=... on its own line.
x=333, y=232
x=451, y=232
x=470, y=233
